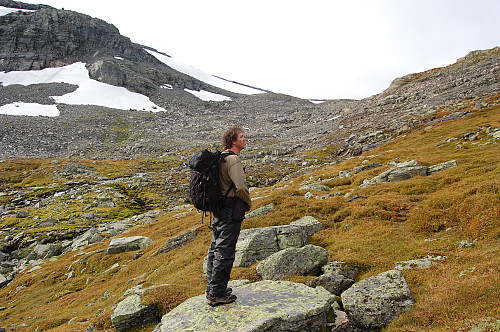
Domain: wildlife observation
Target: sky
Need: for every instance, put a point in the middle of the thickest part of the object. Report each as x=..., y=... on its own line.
x=316, y=49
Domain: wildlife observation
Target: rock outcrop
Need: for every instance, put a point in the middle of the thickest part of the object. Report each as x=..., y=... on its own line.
x=407, y=170
x=45, y=251
x=125, y=244
x=131, y=312
x=258, y=243
x=261, y=306
x=179, y=241
x=374, y=302
x=421, y=263
x=304, y=261
x=47, y=37
x=309, y=224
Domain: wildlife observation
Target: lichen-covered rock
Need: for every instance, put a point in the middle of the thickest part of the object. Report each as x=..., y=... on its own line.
x=332, y=282
x=315, y=187
x=131, y=312
x=3, y=280
x=179, y=241
x=402, y=171
x=89, y=237
x=362, y=168
x=376, y=301
x=262, y=306
x=341, y=268
x=441, y=167
x=125, y=244
x=310, y=225
x=401, y=174
x=260, y=211
x=255, y=244
x=307, y=260
x=44, y=251
x=421, y=263
x=238, y=283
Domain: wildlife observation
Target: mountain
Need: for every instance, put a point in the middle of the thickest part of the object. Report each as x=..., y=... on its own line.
x=103, y=79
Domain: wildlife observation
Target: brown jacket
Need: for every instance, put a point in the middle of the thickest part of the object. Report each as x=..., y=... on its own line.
x=231, y=171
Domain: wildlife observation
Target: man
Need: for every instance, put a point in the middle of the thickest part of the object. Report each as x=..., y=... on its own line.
x=227, y=222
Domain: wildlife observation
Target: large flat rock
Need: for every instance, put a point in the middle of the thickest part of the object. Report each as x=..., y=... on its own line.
x=262, y=306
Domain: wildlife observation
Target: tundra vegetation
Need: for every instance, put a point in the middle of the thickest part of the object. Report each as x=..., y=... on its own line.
x=368, y=227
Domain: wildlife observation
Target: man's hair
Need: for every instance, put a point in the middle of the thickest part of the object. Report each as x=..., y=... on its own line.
x=230, y=135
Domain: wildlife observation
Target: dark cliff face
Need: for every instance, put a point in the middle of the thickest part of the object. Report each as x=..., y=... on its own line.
x=49, y=37
x=21, y=5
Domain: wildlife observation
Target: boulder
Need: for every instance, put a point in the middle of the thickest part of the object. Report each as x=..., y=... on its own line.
x=310, y=225
x=179, y=241
x=113, y=228
x=345, y=174
x=340, y=268
x=238, y=283
x=402, y=171
x=332, y=282
x=89, y=237
x=260, y=211
x=131, y=312
x=441, y=167
x=44, y=251
x=405, y=173
x=262, y=306
x=307, y=260
x=22, y=214
x=255, y=244
x=422, y=263
x=3, y=280
x=362, y=168
x=315, y=187
x=125, y=244
x=374, y=302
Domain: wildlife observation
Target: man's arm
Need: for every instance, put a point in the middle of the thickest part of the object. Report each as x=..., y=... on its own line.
x=237, y=175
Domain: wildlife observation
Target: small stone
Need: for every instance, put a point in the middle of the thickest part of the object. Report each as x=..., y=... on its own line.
x=22, y=214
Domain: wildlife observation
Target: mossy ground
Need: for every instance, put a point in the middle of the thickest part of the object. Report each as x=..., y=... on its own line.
x=389, y=222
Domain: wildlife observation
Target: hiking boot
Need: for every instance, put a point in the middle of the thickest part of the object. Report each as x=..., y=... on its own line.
x=214, y=301
x=227, y=292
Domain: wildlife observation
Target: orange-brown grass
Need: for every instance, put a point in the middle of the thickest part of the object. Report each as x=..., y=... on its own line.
x=387, y=223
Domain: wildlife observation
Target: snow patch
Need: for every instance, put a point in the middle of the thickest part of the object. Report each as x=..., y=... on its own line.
x=202, y=76
x=30, y=109
x=333, y=118
x=208, y=96
x=89, y=92
x=6, y=10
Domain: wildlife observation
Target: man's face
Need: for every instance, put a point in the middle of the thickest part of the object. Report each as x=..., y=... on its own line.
x=240, y=141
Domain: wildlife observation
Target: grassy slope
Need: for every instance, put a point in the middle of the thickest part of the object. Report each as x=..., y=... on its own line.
x=389, y=223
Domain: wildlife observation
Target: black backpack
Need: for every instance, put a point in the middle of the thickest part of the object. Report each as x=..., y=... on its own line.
x=204, y=184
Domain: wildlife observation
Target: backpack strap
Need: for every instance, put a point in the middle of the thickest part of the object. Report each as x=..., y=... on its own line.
x=231, y=187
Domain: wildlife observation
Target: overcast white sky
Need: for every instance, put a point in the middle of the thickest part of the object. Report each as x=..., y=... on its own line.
x=324, y=49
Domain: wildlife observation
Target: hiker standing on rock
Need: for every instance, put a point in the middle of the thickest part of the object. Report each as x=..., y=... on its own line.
x=227, y=223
